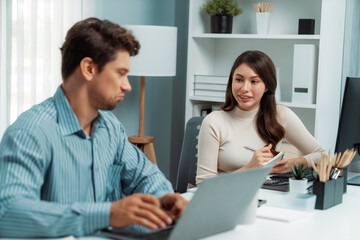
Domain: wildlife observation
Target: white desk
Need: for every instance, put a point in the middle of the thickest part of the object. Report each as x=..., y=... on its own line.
x=341, y=222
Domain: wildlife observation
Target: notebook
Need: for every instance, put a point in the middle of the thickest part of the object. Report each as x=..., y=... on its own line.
x=217, y=206
x=271, y=162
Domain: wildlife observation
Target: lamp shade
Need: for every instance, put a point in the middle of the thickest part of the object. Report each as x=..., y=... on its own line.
x=157, y=54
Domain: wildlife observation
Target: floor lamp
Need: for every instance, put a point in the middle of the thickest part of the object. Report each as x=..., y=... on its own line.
x=156, y=58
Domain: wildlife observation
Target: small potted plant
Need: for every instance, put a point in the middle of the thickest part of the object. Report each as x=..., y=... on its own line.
x=222, y=12
x=298, y=183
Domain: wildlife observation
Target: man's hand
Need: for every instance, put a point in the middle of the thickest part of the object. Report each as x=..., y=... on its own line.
x=174, y=204
x=139, y=209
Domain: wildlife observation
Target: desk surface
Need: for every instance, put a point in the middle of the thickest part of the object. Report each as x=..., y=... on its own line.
x=339, y=222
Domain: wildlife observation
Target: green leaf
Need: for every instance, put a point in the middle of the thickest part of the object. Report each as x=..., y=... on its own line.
x=298, y=170
x=222, y=7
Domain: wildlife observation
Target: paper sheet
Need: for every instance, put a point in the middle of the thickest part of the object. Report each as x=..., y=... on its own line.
x=280, y=214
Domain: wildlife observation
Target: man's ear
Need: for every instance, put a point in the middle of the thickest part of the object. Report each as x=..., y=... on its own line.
x=88, y=68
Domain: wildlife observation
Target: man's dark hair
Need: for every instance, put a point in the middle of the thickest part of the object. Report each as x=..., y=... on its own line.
x=96, y=39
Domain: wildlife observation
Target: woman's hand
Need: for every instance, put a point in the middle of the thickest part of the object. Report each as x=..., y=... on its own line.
x=260, y=157
x=283, y=166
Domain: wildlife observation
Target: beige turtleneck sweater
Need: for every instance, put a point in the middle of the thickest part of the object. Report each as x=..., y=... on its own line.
x=223, y=135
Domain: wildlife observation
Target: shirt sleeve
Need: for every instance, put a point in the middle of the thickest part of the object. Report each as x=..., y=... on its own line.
x=208, y=150
x=23, y=164
x=138, y=174
x=297, y=134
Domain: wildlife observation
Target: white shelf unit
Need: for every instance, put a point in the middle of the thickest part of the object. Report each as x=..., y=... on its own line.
x=214, y=54
x=256, y=36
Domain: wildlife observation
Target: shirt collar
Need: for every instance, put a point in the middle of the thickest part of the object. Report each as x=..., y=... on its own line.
x=99, y=121
x=67, y=119
x=250, y=115
x=68, y=122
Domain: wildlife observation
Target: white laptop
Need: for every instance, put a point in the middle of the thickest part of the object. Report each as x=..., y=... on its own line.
x=217, y=206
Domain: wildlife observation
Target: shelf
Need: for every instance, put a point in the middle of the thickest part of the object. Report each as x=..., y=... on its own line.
x=256, y=36
x=213, y=54
x=298, y=105
x=221, y=100
x=207, y=99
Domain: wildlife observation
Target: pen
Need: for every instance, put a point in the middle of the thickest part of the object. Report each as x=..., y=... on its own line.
x=249, y=148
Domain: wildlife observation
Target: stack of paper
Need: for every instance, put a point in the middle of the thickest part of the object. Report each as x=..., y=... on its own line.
x=280, y=214
x=210, y=86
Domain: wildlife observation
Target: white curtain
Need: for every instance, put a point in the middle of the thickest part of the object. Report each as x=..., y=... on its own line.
x=351, y=58
x=32, y=31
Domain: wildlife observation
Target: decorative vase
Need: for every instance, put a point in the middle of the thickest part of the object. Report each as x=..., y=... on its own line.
x=298, y=186
x=221, y=24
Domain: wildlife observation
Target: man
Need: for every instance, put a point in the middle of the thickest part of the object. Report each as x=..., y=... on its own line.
x=66, y=164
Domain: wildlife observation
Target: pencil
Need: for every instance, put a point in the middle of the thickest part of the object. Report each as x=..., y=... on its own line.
x=272, y=9
x=249, y=148
x=313, y=164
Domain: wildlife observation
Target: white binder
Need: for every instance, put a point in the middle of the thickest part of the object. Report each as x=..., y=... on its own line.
x=304, y=73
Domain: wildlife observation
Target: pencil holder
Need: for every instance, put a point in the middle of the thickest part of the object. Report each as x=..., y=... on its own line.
x=263, y=22
x=343, y=174
x=328, y=194
x=339, y=190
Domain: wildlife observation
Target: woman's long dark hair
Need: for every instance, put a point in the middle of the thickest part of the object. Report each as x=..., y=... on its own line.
x=268, y=127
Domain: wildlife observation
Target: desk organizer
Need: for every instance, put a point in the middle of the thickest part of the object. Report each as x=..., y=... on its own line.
x=344, y=174
x=328, y=194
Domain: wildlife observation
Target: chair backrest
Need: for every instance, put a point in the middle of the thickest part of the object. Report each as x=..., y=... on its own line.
x=188, y=157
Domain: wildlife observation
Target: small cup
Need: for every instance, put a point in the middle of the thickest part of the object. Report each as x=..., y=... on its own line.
x=263, y=22
x=298, y=186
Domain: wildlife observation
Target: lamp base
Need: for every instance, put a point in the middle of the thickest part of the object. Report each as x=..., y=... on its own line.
x=145, y=144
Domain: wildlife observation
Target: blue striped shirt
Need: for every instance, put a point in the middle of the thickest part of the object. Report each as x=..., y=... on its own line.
x=55, y=180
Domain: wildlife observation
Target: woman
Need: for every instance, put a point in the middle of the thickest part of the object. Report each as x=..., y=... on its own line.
x=251, y=118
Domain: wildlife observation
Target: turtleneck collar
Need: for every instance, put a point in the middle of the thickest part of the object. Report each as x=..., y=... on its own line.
x=238, y=113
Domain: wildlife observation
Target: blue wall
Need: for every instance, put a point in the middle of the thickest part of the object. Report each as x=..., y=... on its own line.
x=164, y=97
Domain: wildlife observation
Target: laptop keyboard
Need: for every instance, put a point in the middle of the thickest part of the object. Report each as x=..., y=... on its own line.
x=283, y=179
x=132, y=235
x=280, y=182
x=158, y=235
x=276, y=182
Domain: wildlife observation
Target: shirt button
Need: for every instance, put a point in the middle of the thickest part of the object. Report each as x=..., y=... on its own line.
x=99, y=199
x=96, y=169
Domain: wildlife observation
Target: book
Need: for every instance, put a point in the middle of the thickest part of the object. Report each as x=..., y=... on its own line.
x=210, y=86
x=211, y=79
x=209, y=93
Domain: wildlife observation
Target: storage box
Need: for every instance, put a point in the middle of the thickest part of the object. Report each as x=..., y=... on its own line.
x=306, y=26
x=304, y=73
x=328, y=194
